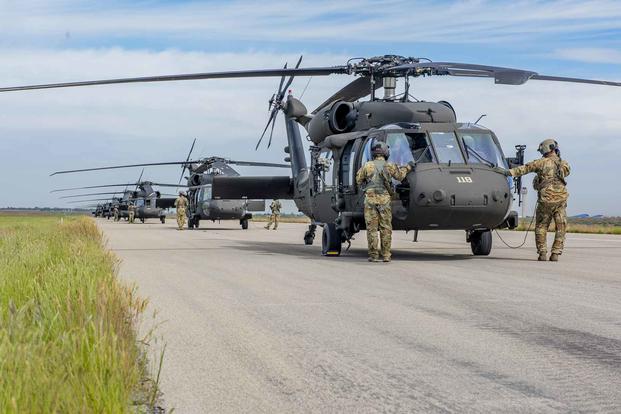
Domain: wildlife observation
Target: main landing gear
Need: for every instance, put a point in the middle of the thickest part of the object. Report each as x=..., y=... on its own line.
x=309, y=236
x=331, y=240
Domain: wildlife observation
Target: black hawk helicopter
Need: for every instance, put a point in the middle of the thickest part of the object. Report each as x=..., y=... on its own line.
x=453, y=185
x=202, y=206
x=149, y=203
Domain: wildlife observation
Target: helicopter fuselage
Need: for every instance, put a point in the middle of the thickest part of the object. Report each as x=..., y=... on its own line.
x=452, y=186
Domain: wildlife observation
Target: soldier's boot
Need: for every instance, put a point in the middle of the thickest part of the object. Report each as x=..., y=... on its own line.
x=554, y=257
x=386, y=259
x=373, y=259
x=542, y=257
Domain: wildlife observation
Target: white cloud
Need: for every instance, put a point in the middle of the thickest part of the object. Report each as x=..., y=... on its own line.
x=43, y=131
x=589, y=55
x=306, y=20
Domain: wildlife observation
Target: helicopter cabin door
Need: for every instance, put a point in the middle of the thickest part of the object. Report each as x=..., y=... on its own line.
x=325, y=198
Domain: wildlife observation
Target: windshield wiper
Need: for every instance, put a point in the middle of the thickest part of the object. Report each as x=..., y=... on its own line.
x=479, y=156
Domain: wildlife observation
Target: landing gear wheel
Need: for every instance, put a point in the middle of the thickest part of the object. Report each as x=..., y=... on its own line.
x=244, y=224
x=481, y=242
x=331, y=240
x=163, y=219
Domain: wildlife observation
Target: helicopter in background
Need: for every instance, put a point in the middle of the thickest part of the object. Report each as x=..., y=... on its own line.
x=201, y=173
x=149, y=203
x=453, y=185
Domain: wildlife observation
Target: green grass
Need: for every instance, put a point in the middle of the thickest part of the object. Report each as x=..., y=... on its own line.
x=603, y=225
x=67, y=325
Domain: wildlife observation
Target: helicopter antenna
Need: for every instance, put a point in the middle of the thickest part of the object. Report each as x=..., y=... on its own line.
x=481, y=117
x=307, y=83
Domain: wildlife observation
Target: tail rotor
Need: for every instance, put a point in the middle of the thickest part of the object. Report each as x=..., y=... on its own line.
x=276, y=104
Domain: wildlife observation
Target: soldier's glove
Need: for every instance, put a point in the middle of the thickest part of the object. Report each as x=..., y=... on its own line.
x=412, y=164
x=502, y=171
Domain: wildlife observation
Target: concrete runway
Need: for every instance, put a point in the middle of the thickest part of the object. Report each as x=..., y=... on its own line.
x=256, y=322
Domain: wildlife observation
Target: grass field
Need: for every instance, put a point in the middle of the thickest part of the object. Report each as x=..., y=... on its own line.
x=602, y=225
x=284, y=218
x=67, y=325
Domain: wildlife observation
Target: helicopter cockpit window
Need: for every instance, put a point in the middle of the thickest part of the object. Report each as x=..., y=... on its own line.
x=421, y=149
x=447, y=148
x=482, y=149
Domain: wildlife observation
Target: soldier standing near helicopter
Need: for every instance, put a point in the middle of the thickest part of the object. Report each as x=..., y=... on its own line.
x=181, y=204
x=275, y=207
x=116, y=213
x=377, y=175
x=131, y=212
x=552, y=196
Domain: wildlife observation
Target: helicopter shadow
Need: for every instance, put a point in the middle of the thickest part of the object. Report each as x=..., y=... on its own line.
x=353, y=254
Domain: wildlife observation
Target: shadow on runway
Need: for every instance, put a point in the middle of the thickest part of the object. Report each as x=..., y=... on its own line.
x=353, y=254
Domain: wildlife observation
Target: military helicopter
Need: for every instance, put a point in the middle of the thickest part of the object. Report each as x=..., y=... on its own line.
x=453, y=186
x=149, y=202
x=202, y=206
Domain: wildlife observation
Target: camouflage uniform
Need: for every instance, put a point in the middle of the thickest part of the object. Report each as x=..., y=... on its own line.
x=377, y=202
x=552, y=201
x=131, y=213
x=116, y=214
x=181, y=204
x=275, y=207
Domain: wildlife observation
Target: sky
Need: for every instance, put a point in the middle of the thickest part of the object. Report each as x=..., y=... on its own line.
x=69, y=40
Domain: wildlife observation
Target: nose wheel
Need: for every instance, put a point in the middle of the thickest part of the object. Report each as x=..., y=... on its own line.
x=480, y=242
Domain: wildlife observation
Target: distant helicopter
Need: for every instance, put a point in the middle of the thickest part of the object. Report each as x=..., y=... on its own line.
x=202, y=206
x=149, y=202
x=453, y=185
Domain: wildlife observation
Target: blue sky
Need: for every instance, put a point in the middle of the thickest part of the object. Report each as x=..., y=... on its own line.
x=73, y=40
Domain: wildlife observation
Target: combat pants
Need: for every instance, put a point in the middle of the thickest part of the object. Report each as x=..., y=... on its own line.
x=546, y=212
x=181, y=218
x=116, y=216
x=131, y=216
x=378, y=217
x=273, y=220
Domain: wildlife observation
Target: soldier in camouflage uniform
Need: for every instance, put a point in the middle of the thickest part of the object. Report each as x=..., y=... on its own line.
x=181, y=204
x=116, y=213
x=275, y=207
x=131, y=212
x=552, y=196
x=377, y=177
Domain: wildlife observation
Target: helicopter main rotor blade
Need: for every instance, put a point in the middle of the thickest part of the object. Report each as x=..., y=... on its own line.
x=119, y=166
x=91, y=186
x=257, y=164
x=259, y=73
x=501, y=75
x=86, y=195
x=358, y=88
x=85, y=201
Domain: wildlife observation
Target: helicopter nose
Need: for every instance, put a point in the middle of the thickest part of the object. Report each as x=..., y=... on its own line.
x=458, y=197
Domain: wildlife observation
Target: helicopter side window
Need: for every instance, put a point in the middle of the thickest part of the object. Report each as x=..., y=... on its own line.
x=206, y=193
x=139, y=203
x=347, y=165
x=481, y=149
x=447, y=148
x=326, y=161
